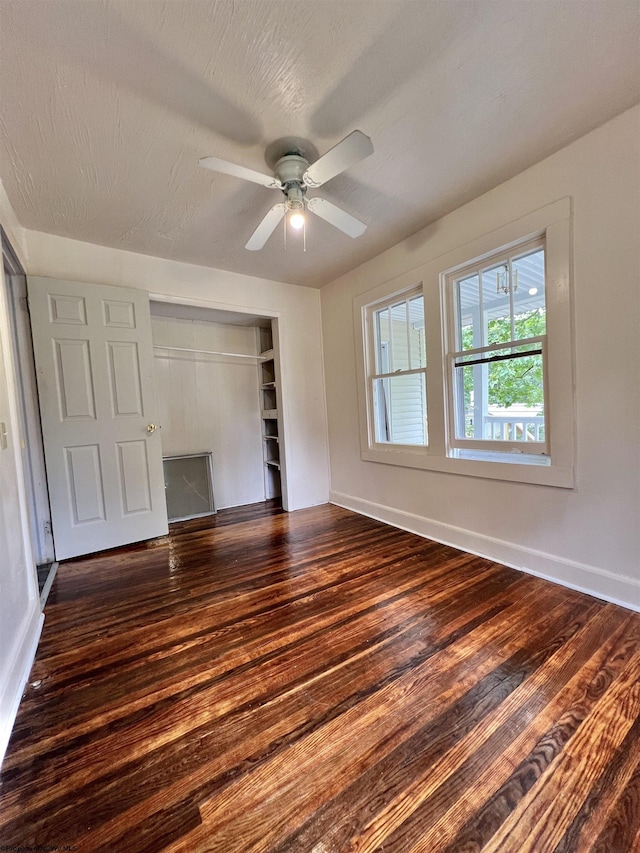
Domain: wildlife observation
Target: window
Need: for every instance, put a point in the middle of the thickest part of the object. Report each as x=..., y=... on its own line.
x=497, y=327
x=398, y=376
x=484, y=344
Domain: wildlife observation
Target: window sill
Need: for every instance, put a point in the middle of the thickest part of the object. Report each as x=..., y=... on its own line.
x=535, y=470
x=515, y=458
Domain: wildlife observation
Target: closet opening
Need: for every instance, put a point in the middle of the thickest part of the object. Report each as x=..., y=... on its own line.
x=219, y=390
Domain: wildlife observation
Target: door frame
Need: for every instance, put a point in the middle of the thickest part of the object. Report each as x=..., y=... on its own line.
x=33, y=465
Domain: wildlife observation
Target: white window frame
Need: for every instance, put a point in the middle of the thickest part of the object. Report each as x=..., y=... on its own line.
x=552, y=224
x=371, y=310
x=455, y=355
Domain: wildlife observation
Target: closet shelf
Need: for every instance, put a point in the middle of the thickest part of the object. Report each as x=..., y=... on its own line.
x=211, y=352
x=269, y=400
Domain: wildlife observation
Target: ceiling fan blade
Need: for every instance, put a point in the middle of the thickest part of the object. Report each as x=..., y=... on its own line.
x=266, y=227
x=350, y=151
x=336, y=216
x=217, y=165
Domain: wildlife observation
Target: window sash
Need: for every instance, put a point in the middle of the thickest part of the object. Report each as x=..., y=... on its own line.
x=455, y=399
x=532, y=343
x=399, y=373
x=392, y=412
x=505, y=258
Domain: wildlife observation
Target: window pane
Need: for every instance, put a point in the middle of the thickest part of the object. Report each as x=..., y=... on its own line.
x=529, y=295
x=381, y=323
x=399, y=336
x=500, y=305
x=469, y=330
x=400, y=344
x=496, y=305
x=501, y=401
x=400, y=409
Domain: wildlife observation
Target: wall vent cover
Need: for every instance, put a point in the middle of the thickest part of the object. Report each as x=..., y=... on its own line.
x=188, y=484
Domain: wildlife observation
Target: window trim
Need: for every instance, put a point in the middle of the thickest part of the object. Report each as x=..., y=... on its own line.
x=551, y=222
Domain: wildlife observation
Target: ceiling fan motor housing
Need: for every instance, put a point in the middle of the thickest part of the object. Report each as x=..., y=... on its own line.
x=289, y=170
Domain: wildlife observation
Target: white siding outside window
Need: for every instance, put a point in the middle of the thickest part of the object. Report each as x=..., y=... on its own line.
x=398, y=389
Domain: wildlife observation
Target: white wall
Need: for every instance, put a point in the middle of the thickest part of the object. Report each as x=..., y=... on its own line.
x=296, y=308
x=12, y=228
x=589, y=536
x=212, y=403
x=20, y=615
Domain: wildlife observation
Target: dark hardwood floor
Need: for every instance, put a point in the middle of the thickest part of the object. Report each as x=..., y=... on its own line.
x=318, y=682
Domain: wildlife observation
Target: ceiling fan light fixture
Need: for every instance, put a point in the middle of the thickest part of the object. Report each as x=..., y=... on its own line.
x=295, y=206
x=296, y=219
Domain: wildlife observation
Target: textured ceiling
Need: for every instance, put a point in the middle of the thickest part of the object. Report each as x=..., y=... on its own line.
x=107, y=107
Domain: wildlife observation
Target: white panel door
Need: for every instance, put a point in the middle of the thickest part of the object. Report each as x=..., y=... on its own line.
x=94, y=364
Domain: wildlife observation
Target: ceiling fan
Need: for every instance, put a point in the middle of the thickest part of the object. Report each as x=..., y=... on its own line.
x=293, y=175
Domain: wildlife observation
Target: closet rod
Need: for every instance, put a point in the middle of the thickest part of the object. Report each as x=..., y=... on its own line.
x=211, y=352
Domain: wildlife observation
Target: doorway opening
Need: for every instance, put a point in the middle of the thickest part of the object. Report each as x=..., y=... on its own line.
x=39, y=514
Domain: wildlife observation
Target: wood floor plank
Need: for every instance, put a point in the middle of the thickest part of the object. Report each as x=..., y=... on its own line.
x=435, y=785
x=620, y=776
x=318, y=682
x=622, y=830
x=354, y=742
x=400, y=648
x=497, y=756
x=230, y=648
x=543, y=814
x=413, y=815
x=218, y=675
x=327, y=714
x=281, y=720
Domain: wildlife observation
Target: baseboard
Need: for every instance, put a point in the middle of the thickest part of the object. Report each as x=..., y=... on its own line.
x=46, y=589
x=595, y=581
x=18, y=672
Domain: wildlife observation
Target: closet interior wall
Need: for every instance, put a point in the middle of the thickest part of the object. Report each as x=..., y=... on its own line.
x=209, y=401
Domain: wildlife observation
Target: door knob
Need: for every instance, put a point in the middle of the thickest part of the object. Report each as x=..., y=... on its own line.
x=151, y=427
